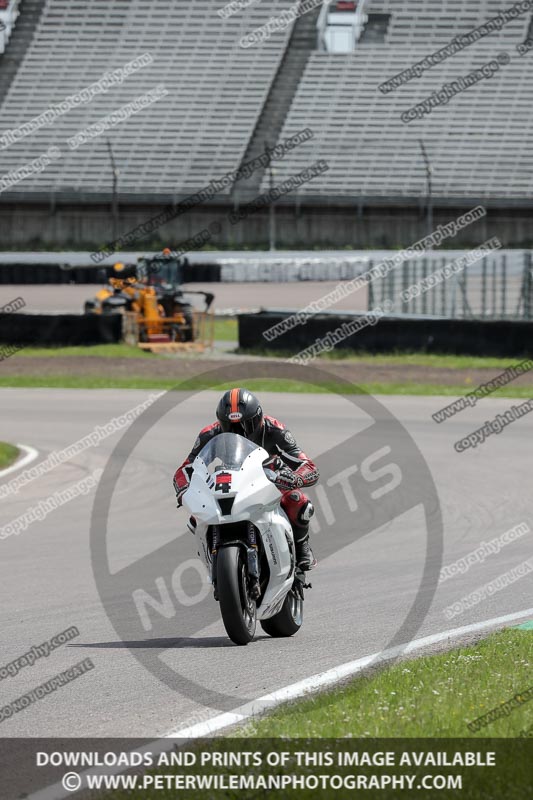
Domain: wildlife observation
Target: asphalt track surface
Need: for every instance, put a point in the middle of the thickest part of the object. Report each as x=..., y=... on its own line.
x=69, y=299
x=360, y=594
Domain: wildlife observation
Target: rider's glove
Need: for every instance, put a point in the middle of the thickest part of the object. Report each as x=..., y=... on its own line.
x=274, y=463
x=286, y=479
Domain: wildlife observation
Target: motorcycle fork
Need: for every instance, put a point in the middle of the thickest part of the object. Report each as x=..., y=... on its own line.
x=253, y=562
x=215, y=542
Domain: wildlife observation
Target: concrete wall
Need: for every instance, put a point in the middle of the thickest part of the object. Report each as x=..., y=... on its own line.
x=64, y=225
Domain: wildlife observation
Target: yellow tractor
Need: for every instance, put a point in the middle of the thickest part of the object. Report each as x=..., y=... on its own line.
x=157, y=315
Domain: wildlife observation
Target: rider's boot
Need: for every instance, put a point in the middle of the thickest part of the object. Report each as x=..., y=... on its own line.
x=304, y=555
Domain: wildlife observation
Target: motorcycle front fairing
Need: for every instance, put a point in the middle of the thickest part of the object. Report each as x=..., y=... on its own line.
x=247, y=485
x=237, y=489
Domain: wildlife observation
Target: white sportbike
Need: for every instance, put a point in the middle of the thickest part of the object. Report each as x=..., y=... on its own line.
x=245, y=539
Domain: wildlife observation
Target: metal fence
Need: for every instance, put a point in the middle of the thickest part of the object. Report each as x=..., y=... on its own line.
x=500, y=286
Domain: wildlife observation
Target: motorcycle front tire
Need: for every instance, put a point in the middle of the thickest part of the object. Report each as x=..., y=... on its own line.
x=239, y=611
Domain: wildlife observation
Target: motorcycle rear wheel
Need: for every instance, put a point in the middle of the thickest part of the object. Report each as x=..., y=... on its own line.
x=239, y=611
x=289, y=620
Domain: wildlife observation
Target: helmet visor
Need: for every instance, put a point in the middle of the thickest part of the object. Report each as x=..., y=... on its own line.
x=230, y=426
x=252, y=427
x=249, y=428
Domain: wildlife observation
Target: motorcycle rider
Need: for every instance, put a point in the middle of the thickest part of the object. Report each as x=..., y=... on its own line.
x=239, y=411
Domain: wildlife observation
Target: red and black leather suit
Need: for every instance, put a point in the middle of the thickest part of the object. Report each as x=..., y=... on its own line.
x=279, y=443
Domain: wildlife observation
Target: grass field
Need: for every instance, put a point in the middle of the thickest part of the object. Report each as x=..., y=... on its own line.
x=428, y=701
x=8, y=454
x=432, y=696
x=395, y=358
x=99, y=350
x=265, y=384
x=226, y=330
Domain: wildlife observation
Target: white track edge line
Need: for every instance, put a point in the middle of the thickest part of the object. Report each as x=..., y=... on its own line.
x=255, y=707
x=334, y=675
x=31, y=455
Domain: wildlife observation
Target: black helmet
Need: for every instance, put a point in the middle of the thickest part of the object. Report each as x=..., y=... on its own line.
x=239, y=412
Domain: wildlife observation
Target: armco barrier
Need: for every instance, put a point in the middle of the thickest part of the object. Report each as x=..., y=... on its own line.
x=408, y=334
x=54, y=273
x=60, y=329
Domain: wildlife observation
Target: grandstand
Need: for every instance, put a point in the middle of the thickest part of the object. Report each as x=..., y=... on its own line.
x=225, y=101
x=198, y=131
x=480, y=143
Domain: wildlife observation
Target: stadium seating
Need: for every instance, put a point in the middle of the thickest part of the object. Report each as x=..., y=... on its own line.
x=197, y=132
x=480, y=143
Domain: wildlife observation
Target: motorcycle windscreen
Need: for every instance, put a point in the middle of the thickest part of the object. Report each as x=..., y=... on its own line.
x=226, y=451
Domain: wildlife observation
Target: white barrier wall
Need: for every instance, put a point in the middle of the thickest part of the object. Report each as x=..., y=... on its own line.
x=286, y=270
x=263, y=267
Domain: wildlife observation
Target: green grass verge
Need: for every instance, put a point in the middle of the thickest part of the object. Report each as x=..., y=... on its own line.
x=424, y=360
x=99, y=350
x=398, y=359
x=8, y=454
x=431, y=696
x=264, y=384
x=429, y=701
x=226, y=329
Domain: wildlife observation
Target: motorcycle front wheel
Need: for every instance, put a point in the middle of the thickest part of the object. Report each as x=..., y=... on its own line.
x=239, y=611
